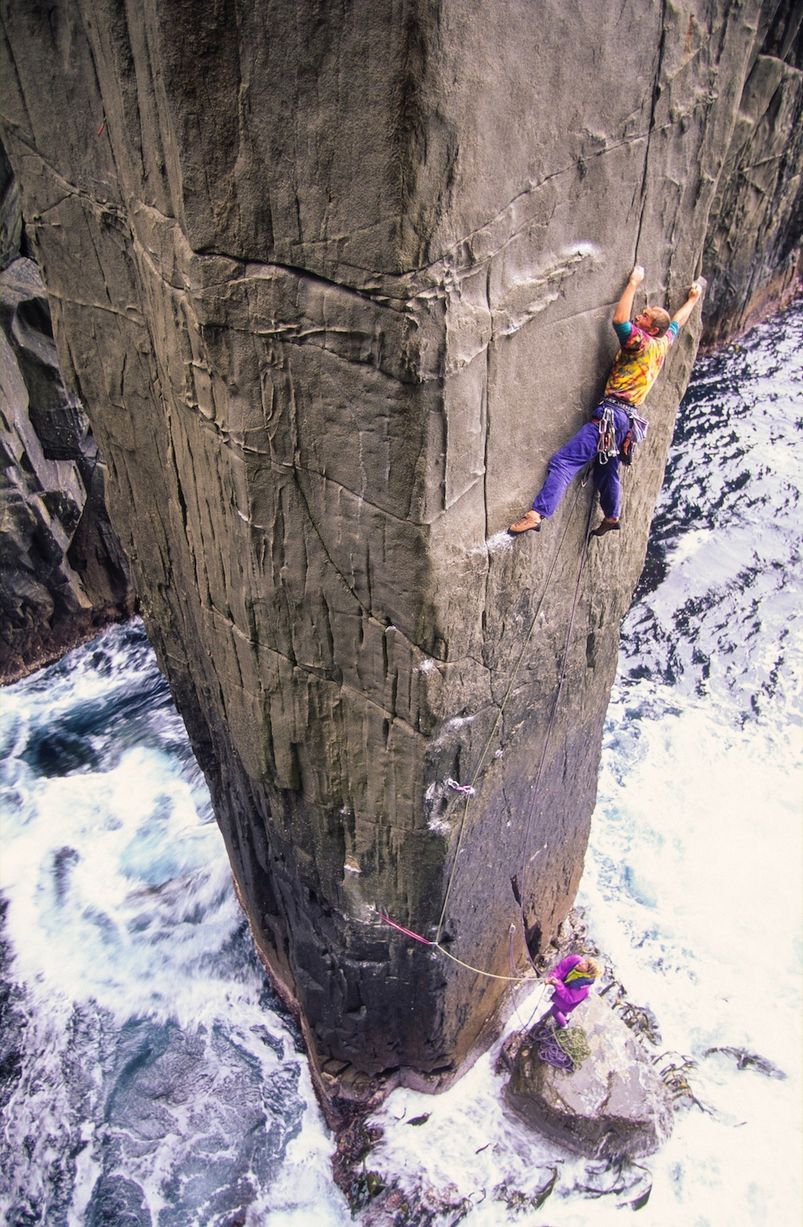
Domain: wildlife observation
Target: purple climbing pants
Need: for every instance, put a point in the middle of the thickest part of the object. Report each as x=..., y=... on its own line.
x=572, y=458
x=560, y=1015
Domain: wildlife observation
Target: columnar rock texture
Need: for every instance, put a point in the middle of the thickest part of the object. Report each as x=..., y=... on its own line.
x=754, y=243
x=333, y=281
x=63, y=571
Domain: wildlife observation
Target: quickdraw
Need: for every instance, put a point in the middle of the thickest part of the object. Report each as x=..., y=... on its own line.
x=606, y=444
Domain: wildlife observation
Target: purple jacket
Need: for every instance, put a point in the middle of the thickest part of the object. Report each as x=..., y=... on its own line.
x=564, y=996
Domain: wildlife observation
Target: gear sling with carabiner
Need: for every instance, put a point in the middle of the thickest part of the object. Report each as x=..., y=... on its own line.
x=606, y=445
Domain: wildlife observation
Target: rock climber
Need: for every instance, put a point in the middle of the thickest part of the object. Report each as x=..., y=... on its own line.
x=644, y=343
x=571, y=981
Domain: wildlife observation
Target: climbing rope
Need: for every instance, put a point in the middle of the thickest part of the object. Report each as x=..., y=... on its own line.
x=513, y=678
x=469, y=790
x=564, y=658
x=564, y=1047
x=425, y=941
x=574, y=1042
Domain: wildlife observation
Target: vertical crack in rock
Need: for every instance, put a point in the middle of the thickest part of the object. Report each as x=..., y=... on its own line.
x=656, y=90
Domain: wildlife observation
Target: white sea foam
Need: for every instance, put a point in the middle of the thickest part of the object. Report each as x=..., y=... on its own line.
x=148, y=1041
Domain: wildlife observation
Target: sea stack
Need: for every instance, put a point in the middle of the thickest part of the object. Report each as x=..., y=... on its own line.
x=332, y=283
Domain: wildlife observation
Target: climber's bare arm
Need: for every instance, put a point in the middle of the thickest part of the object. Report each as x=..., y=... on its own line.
x=682, y=314
x=625, y=304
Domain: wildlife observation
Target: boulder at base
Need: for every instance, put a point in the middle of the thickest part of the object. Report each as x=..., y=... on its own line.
x=614, y=1104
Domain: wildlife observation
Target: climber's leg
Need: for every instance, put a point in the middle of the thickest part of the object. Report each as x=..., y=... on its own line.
x=570, y=460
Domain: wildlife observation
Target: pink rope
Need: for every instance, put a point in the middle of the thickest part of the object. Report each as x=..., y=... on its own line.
x=407, y=932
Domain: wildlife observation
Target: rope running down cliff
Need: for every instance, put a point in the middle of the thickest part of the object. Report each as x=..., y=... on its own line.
x=513, y=678
x=550, y=724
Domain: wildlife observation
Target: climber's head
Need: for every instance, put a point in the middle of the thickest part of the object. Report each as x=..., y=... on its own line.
x=653, y=320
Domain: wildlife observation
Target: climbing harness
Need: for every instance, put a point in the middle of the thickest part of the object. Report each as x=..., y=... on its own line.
x=606, y=443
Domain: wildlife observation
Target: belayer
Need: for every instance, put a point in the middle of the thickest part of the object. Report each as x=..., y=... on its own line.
x=644, y=343
x=571, y=983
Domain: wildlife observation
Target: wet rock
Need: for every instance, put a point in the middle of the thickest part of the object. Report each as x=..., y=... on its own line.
x=420, y=1205
x=519, y=1201
x=354, y=1141
x=749, y=1060
x=614, y=1105
x=629, y=1182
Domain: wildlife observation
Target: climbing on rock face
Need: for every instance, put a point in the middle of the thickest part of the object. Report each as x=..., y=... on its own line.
x=607, y=440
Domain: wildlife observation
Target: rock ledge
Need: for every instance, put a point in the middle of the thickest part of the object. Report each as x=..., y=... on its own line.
x=615, y=1105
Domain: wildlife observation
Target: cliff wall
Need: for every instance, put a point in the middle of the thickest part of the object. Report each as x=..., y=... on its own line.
x=64, y=573
x=753, y=248
x=333, y=283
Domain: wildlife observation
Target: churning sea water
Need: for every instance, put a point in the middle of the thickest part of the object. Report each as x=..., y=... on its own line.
x=148, y=1076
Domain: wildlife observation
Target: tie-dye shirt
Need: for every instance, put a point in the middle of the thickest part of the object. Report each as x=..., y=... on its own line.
x=638, y=363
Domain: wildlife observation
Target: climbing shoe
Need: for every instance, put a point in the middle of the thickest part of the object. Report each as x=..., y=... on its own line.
x=607, y=526
x=529, y=522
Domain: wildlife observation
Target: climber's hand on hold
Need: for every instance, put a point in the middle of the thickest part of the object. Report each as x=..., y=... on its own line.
x=695, y=294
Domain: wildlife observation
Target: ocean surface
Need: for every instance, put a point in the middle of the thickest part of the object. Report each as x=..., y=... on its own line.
x=148, y=1078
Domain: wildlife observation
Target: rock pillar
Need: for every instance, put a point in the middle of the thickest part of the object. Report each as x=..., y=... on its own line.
x=333, y=282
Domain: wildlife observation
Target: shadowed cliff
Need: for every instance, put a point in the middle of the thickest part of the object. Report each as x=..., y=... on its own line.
x=64, y=573
x=332, y=286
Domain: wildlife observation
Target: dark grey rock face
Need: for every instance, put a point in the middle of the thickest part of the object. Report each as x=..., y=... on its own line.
x=333, y=283
x=754, y=243
x=11, y=226
x=63, y=571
